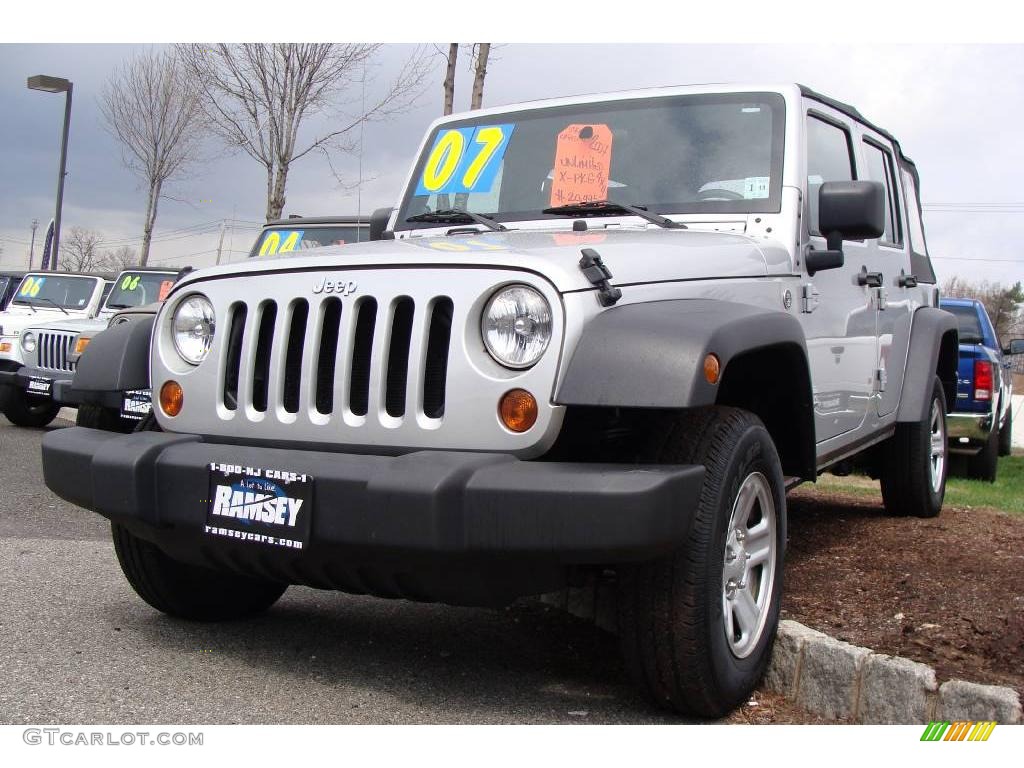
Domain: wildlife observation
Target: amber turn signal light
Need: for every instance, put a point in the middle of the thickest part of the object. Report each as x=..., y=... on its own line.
x=5, y=347
x=81, y=344
x=518, y=410
x=712, y=369
x=171, y=398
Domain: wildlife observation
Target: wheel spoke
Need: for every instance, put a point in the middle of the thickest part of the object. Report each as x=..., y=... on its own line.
x=744, y=504
x=746, y=611
x=759, y=543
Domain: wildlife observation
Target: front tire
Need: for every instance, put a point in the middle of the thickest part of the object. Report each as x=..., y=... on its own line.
x=25, y=411
x=98, y=417
x=697, y=626
x=916, y=462
x=189, y=591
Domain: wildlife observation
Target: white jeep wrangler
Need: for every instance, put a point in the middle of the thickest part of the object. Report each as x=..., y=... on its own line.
x=603, y=334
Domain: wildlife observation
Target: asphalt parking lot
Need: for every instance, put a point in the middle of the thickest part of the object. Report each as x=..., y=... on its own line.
x=80, y=647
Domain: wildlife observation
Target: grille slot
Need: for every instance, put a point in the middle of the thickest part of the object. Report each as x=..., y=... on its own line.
x=327, y=355
x=236, y=325
x=293, y=355
x=261, y=364
x=362, y=348
x=435, y=370
x=398, y=357
x=52, y=351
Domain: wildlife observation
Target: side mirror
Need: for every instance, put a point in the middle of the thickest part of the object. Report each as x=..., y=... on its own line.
x=847, y=210
x=379, y=223
x=1016, y=347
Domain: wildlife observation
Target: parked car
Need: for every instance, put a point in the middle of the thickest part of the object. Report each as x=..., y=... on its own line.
x=981, y=424
x=600, y=339
x=121, y=410
x=41, y=297
x=299, y=233
x=50, y=350
x=9, y=282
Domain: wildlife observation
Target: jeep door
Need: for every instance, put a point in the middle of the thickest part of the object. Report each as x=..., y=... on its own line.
x=888, y=256
x=837, y=313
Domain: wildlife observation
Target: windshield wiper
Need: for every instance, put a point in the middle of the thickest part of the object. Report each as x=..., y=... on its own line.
x=458, y=216
x=608, y=208
x=58, y=306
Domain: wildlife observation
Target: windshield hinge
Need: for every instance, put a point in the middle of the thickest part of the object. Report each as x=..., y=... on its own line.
x=597, y=273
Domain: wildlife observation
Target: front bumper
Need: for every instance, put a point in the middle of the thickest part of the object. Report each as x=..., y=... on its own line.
x=22, y=378
x=968, y=432
x=460, y=527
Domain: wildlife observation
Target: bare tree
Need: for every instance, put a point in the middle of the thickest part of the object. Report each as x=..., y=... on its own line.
x=258, y=96
x=481, y=51
x=80, y=250
x=119, y=259
x=150, y=109
x=452, y=58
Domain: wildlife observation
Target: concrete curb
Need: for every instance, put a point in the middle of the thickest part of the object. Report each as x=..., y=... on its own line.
x=833, y=679
x=836, y=680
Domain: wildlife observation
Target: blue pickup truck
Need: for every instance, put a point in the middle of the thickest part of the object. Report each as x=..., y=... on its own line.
x=981, y=423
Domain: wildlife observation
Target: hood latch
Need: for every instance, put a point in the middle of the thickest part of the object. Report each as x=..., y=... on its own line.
x=593, y=268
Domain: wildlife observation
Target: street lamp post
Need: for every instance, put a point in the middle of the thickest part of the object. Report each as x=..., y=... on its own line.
x=57, y=85
x=32, y=245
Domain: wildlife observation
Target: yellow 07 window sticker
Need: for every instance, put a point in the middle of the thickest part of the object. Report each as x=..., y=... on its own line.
x=464, y=160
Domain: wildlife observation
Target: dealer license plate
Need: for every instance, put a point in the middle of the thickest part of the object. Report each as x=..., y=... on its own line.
x=260, y=505
x=40, y=386
x=136, y=404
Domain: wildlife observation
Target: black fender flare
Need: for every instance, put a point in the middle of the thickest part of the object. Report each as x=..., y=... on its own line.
x=116, y=360
x=651, y=354
x=934, y=350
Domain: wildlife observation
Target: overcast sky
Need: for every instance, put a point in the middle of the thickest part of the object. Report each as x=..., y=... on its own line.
x=957, y=111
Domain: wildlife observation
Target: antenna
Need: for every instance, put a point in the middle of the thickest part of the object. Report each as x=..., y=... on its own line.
x=362, y=121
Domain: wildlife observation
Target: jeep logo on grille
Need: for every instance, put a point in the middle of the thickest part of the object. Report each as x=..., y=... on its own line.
x=344, y=287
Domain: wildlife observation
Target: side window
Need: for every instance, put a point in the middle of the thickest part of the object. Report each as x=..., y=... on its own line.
x=914, y=226
x=828, y=159
x=880, y=168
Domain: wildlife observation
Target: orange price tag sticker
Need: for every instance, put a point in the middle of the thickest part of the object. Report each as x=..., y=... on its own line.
x=165, y=288
x=583, y=157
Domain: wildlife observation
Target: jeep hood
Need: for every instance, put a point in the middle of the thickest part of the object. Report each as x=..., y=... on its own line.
x=18, y=318
x=634, y=255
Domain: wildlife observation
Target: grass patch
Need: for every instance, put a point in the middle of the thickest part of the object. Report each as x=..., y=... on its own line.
x=1005, y=494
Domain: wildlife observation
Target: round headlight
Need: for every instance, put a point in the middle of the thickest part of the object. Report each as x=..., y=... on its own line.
x=192, y=328
x=28, y=341
x=516, y=326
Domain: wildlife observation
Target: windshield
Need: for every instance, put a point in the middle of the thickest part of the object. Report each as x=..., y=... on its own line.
x=968, y=322
x=275, y=240
x=708, y=153
x=133, y=289
x=4, y=282
x=50, y=289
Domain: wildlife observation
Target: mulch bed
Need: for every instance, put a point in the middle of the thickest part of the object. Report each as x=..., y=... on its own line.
x=948, y=592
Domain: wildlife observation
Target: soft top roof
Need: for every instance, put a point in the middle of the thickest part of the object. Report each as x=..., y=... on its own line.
x=851, y=111
x=62, y=273
x=314, y=220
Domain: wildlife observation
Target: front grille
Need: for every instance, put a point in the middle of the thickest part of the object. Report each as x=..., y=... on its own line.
x=330, y=355
x=53, y=349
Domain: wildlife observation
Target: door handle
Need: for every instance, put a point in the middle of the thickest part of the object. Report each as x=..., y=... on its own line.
x=870, y=279
x=906, y=281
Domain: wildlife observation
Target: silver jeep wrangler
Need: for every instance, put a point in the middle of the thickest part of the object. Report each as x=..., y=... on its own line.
x=601, y=335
